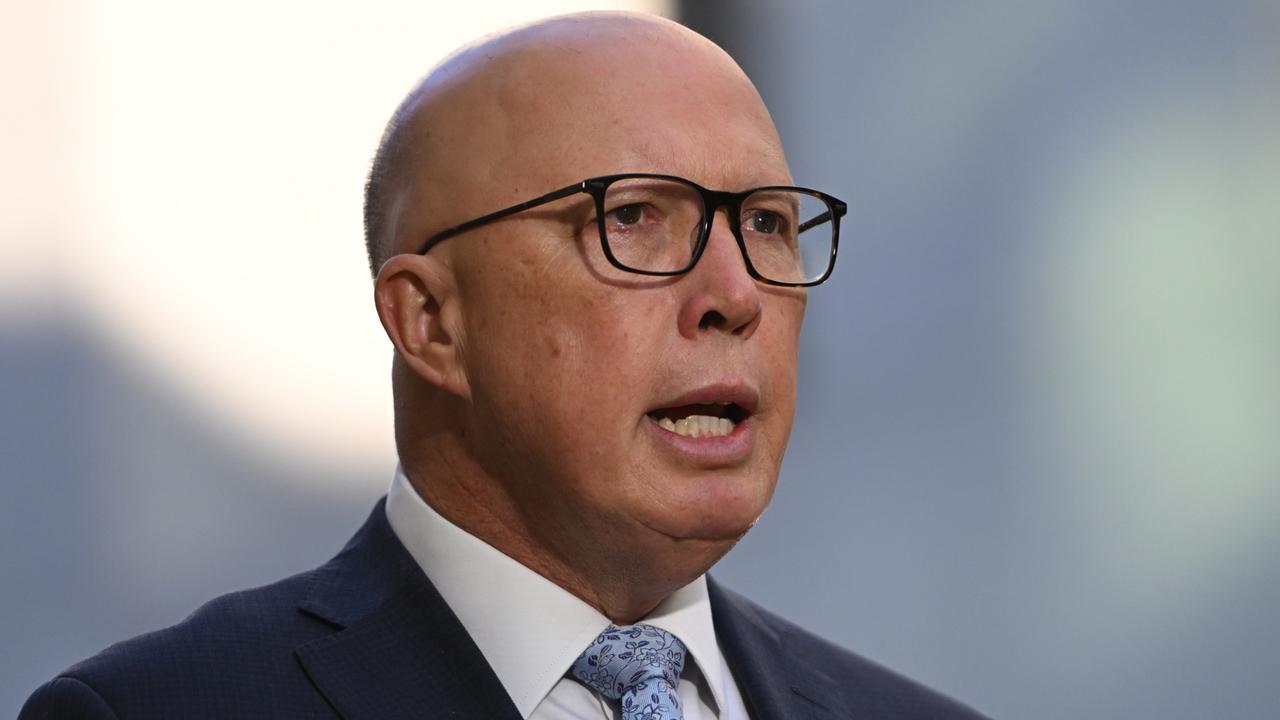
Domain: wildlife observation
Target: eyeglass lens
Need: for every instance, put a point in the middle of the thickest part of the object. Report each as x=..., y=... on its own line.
x=653, y=224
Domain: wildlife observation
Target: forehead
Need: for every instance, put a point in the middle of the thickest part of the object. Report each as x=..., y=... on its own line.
x=549, y=113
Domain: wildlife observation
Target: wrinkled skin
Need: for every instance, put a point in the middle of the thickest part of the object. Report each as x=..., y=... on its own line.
x=525, y=364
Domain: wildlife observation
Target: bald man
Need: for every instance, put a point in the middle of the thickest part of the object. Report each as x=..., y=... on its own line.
x=593, y=263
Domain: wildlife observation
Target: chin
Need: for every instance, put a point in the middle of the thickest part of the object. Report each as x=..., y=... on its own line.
x=721, y=508
x=721, y=530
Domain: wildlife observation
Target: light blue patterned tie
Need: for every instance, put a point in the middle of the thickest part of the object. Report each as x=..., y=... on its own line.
x=637, y=665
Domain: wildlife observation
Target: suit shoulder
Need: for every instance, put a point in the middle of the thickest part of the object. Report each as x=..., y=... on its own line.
x=65, y=697
x=242, y=639
x=232, y=624
x=866, y=684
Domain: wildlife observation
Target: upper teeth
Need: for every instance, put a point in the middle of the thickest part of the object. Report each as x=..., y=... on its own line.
x=698, y=426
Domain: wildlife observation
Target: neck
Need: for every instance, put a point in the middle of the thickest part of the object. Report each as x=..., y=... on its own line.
x=623, y=586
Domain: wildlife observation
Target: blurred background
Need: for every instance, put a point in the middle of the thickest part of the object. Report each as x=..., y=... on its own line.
x=1036, y=462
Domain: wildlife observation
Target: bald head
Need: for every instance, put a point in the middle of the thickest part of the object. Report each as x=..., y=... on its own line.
x=508, y=116
x=529, y=367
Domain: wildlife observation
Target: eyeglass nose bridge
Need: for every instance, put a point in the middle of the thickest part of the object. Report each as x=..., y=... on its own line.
x=712, y=201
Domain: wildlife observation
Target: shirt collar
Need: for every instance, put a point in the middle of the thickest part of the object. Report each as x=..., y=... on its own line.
x=527, y=627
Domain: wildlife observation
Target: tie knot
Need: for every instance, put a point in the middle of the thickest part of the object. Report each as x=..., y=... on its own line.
x=637, y=665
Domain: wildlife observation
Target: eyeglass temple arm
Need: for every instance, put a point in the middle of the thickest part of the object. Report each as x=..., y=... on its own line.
x=500, y=214
x=837, y=212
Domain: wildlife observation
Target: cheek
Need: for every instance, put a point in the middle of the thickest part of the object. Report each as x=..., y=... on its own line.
x=598, y=355
x=562, y=361
x=780, y=324
x=780, y=345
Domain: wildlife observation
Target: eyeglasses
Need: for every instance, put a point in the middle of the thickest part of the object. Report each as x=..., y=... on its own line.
x=659, y=225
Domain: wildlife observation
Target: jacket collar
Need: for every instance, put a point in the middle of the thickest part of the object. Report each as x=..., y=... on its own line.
x=774, y=681
x=399, y=651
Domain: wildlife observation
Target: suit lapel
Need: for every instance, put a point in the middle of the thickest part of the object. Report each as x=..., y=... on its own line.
x=398, y=650
x=774, y=687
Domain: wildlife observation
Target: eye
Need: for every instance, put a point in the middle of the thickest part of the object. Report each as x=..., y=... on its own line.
x=626, y=214
x=763, y=222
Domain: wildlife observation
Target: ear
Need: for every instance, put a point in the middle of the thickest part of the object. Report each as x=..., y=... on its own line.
x=418, y=304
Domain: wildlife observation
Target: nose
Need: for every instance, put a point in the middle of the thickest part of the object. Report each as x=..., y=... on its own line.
x=722, y=296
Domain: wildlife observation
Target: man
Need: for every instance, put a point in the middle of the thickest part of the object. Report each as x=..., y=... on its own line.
x=594, y=384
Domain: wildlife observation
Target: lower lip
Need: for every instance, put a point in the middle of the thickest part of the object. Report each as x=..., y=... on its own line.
x=709, y=451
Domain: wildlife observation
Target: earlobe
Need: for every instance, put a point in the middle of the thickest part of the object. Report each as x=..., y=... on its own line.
x=417, y=303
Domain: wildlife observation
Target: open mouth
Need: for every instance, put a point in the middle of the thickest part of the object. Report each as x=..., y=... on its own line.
x=700, y=420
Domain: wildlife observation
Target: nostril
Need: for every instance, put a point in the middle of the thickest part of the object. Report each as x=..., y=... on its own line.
x=711, y=318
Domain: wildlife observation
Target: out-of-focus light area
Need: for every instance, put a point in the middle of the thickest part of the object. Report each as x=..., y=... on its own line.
x=1158, y=321
x=194, y=387
x=1036, y=459
x=1039, y=426
x=189, y=177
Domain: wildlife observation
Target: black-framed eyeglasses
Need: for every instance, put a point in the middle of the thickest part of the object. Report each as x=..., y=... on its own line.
x=659, y=225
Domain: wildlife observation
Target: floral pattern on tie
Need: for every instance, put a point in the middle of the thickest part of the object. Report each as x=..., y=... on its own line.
x=637, y=665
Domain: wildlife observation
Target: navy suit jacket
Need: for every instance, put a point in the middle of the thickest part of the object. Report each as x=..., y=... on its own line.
x=367, y=637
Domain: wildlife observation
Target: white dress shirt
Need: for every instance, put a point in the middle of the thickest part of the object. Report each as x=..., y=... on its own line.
x=531, y=630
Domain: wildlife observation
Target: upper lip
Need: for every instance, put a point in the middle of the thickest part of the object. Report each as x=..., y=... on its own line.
x=738, y=393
